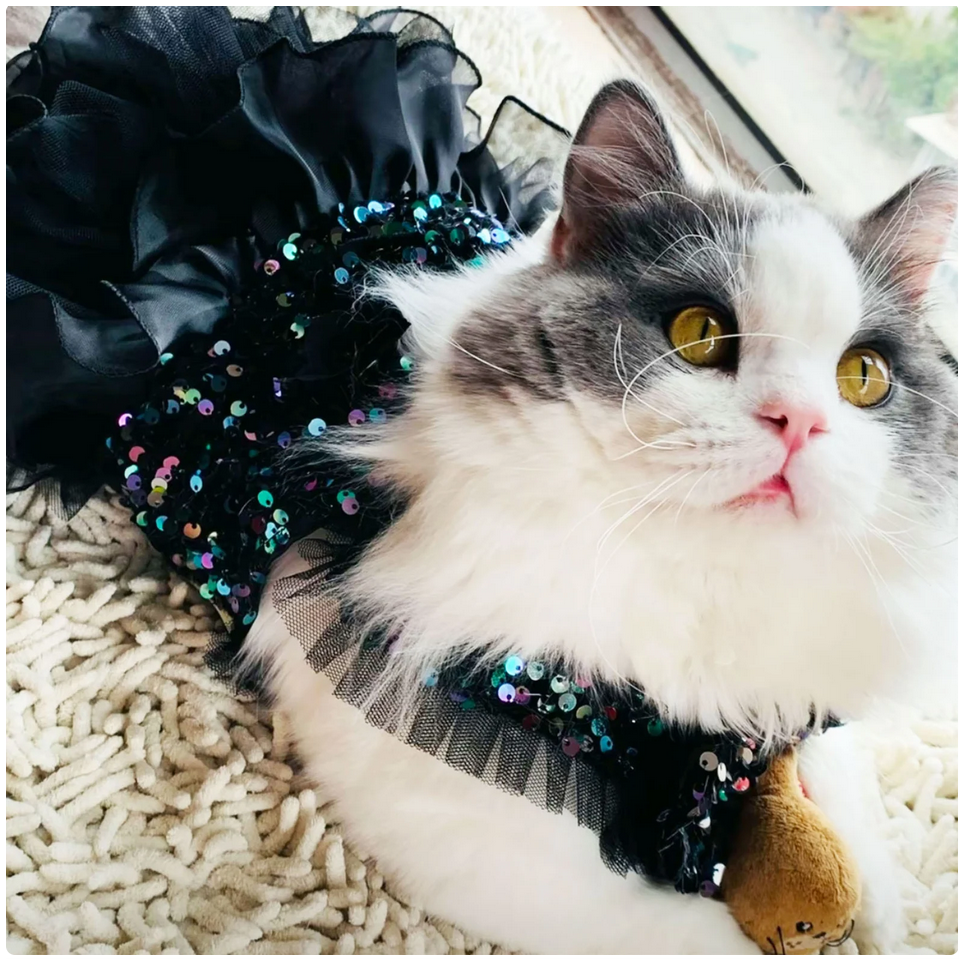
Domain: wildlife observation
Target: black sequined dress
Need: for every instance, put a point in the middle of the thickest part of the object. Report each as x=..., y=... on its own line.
x=192, y=203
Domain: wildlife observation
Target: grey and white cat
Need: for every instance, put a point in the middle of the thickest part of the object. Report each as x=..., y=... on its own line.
x=700, y=439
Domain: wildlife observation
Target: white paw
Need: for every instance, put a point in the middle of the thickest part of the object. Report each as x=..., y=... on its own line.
x=880, y=926
x=716, y=932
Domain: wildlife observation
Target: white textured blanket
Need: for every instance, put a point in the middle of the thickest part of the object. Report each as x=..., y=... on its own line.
x=150, y=810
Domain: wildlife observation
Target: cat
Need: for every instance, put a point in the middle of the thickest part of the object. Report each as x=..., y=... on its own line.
x=702, y=439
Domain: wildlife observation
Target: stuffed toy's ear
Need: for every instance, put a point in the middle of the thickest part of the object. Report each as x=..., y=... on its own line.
x=621, y=150
x=903, y=240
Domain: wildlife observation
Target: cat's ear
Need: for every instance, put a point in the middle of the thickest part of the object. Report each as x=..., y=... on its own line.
x=903, y=240
x=621, y=150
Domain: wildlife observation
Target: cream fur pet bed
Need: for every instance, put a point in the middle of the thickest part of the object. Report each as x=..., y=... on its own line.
x=149, y=810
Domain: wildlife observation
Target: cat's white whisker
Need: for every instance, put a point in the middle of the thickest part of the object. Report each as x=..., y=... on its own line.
x=691, y=490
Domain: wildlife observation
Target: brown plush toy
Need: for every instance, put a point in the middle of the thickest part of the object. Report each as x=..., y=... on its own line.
x=790, y=882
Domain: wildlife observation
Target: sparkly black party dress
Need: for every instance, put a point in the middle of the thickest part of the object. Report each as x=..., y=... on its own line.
x=193, y=201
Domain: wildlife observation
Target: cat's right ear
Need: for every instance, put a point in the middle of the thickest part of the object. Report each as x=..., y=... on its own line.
x=621, y=150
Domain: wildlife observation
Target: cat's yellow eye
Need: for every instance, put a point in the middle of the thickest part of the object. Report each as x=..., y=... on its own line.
x=697, y=334
x=863, y=377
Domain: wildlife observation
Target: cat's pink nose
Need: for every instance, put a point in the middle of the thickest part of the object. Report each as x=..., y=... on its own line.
x=795, y=424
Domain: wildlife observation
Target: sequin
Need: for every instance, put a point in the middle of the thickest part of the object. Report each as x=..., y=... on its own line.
x=377, y=415
x=430, y=677
x=317, y=426
x=419, y=210
x=522, y=695
x=280, y=516
x=567, y=702
x=584, y=712
x=133, y=482
x=535, y=670
x=361, y=214
x=506, y=693
x=721, y=772
x=124, y=419
x=271, y=266
x=298, y=329
x=196, y=483
x=499, y=236
x=222, y=347
x=284, y=299
x=341, y=276
x=406, y=363
x=165, y=358
x=605, y=743
x=191, y=530
x=741, y=784
x=376, y=207
x=234, y=370
x=356, y=417
x=559, y=684
x=135, y=453
x=350, y=506
x=239, y=408
x=141, y=518
x=218, y=383
x=159, y=484
x=266, y=498
x=709, y=760
x=514, y=665
x=229, y=422
x=290, y=251
x=598, y=726
x=207, y=560
x=205, y=406
x=434, y=201
x=570, y=746
x=171, y=461
x=192, y=396
x=654, y=727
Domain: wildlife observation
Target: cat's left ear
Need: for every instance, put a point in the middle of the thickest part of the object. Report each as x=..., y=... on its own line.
x=904, y=239
x=622, y=150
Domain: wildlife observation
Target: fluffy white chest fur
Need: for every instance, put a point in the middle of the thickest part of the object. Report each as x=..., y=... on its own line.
x=756, y=534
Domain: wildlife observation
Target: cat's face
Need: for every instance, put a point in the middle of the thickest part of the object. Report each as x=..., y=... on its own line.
x=747, y=353
x=703, y=439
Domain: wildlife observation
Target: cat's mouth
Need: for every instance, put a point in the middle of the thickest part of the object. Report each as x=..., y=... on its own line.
x=773, y=490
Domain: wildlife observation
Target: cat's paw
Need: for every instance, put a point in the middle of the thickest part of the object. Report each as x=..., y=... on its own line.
x=880, y=927
x=716, y=932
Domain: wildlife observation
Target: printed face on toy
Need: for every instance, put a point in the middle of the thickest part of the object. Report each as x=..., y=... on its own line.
x=809, y=936
x=746, y=352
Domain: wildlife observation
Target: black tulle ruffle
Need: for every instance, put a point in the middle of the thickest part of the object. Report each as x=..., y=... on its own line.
x=153, y=154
